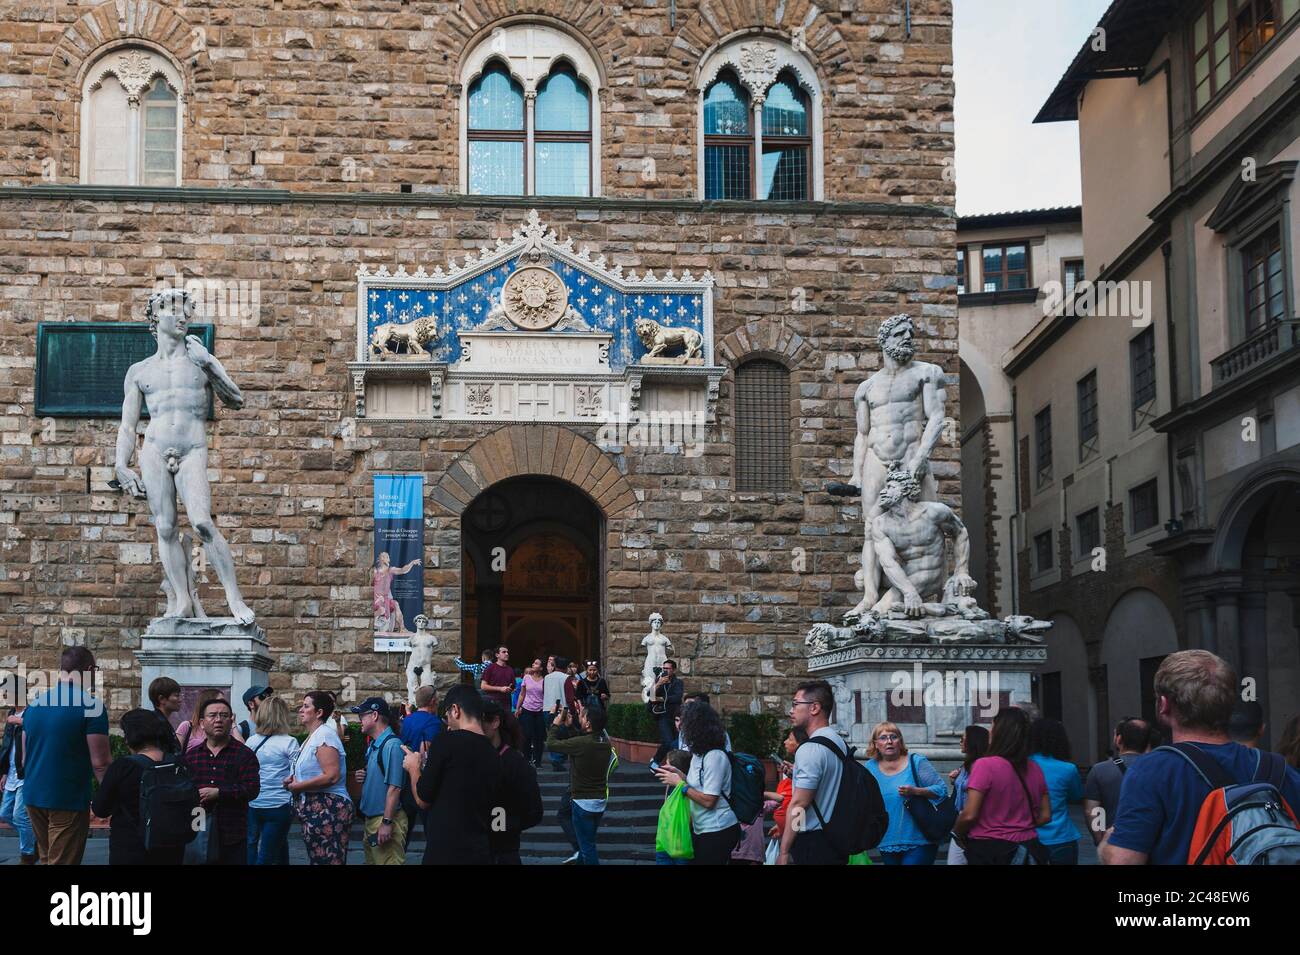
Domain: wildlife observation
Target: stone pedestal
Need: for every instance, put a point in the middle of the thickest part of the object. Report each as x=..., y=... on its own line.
x=932, y=692
x=212, y=652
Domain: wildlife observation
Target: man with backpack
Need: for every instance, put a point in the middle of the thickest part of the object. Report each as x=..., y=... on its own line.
x=385, y=821
x=1101, y=790
x=1205, y=799
x=836, y=810
x=148, y=797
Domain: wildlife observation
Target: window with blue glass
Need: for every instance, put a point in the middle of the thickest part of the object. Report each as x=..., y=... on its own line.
x=787, y=144
x=728, y=140
x=768, y=159
x=562, y=135
x=496, y=134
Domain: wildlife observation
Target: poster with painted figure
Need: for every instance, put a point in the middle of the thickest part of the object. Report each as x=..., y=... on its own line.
x=398, y=572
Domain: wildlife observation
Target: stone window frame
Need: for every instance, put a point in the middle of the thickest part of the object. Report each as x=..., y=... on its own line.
x=136, y=78
x=758, y=61
x=1088, y=416
x=1081, y=551
x=1153, y=485
x=1142, y=395
x=1043, y=450
x=1038, y=550
x=1246, y=212
x=510, y=43
x=786, y=471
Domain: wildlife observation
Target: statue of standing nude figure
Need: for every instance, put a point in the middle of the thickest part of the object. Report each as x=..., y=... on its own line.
x=900, y=415
x=174, y=383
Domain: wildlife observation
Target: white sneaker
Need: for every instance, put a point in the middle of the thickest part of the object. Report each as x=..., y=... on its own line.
x=573, y=859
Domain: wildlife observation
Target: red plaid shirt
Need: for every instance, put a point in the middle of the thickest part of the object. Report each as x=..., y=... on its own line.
x=234, y=771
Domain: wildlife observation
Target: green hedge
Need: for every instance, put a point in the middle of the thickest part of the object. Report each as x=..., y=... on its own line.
x=632, y=721
x=759, y=735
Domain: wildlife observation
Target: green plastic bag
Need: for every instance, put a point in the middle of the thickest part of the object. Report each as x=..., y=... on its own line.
x=673, y=834
x=860, y=859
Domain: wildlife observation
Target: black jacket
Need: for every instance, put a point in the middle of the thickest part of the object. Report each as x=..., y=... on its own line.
x=520, y=796
x=11, y=750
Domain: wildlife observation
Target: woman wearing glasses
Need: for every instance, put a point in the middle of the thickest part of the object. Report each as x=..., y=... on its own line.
x=902, y=777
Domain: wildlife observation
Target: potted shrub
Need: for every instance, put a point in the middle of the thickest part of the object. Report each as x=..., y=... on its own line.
x=633, y=732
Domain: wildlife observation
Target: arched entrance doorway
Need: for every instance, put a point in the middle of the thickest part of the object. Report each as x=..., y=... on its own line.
x=1062, y=688
x=533, y=569
x=1258, y=628
x=1139, y=634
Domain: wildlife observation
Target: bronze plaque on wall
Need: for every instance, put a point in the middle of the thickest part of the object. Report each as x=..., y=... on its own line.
x=81, y=366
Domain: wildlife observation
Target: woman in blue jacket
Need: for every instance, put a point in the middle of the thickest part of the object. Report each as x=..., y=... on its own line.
x=902, y=777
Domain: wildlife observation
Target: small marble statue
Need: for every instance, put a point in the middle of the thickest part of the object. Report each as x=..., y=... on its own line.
x=175, y=383
x=843, y=717
x=657, y=648
x=419, y=667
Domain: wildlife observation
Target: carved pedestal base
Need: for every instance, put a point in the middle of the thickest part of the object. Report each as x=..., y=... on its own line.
x=213, y=652
x=932, y=692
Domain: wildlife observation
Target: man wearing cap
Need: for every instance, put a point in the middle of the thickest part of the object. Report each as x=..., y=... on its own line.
x=381, y=786
x=252, y=696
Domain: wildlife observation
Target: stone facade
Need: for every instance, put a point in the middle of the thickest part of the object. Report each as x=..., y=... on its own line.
x=283, y=97
x=738, y=576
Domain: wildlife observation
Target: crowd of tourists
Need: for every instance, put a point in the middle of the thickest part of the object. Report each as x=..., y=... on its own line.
x=209, y=790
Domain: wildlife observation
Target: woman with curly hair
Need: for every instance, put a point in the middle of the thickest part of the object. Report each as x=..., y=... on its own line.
x=715, y=830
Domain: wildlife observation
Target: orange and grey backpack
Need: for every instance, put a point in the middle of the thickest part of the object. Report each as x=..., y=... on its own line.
x=1242, y=823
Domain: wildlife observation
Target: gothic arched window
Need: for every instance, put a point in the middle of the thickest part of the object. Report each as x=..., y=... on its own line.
x=787, y=145
x=762, y=426
x=131, y=120
x=728, y=141
x=760, y=116
x=496, y=134
x=562, y=135
x=538, y=87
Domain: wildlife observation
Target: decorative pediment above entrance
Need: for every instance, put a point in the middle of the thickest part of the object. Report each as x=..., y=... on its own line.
x=532, y=329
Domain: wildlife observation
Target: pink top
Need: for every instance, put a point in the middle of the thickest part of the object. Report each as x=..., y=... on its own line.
x=1006, y=813
x=531, y=697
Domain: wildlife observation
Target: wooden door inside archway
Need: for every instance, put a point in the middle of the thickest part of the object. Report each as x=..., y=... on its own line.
x=533, y=570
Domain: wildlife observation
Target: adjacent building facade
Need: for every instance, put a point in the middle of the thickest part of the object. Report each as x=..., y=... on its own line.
x=1156, y=411
x=767, y=179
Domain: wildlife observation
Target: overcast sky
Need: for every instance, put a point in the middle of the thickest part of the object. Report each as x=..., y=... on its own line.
x=1008, y=56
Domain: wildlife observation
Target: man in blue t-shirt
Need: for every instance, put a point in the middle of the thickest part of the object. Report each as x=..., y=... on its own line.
x=422, y=725
x=65, y=739
x=1161, y=795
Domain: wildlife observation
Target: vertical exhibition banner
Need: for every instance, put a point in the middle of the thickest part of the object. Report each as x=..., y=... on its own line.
x=398, y=571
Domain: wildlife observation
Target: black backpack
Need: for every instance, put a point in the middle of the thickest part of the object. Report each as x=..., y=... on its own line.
x=168, y=798
x=859, y=819
x=408, y=803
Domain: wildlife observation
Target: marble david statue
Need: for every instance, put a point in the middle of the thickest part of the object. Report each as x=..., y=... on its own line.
x=175, y=383
x=900, y=416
